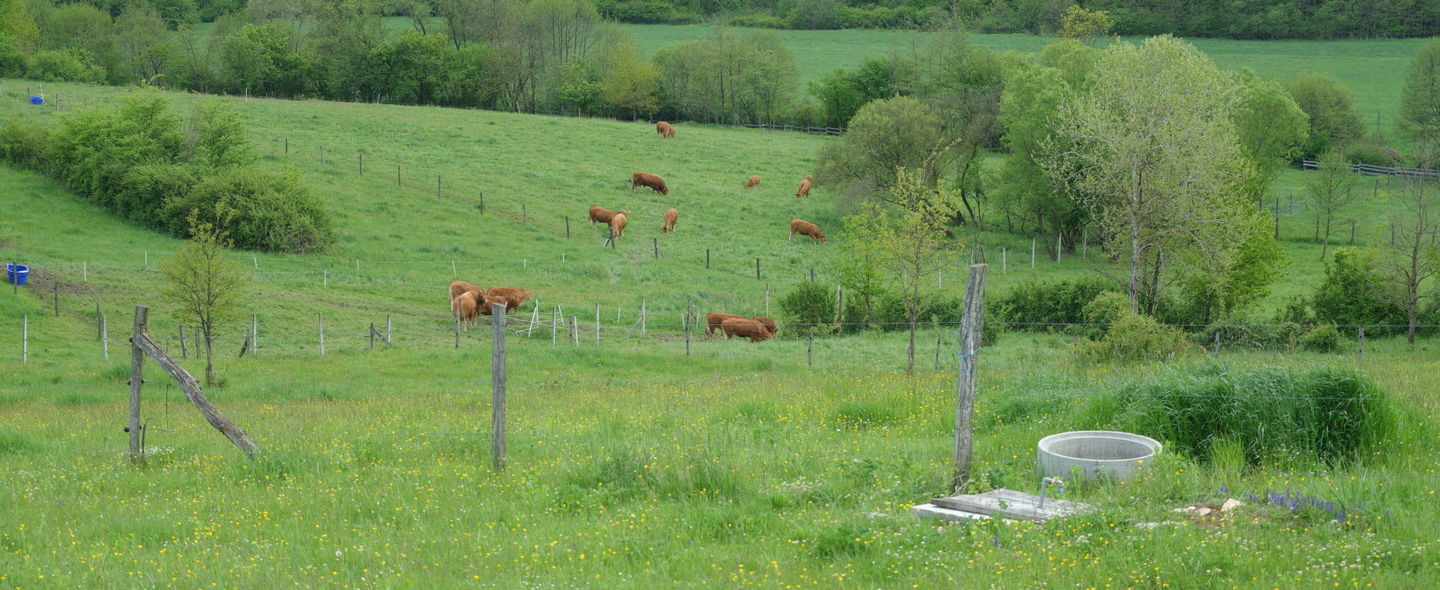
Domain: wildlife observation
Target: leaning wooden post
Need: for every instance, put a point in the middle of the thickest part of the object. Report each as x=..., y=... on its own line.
x=187, y=383
x=970, y=330
x=137, y=379
x=497, y=389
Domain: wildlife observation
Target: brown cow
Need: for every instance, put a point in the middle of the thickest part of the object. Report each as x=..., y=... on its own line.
x=768, y=323
x=753, y=182
x=640, y=179
x=745, y=328
x=458, y=287
x=671, y=217
x=713, y=319
x=513, y=298
x=665, y=130
x=805, y=228
x=603, y=215
x=804, y=190
x=464, y=307
x=487, y=307
x=617, y=225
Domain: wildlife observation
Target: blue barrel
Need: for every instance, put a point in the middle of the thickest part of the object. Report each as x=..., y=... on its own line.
x=17, y=274
x=37, y=100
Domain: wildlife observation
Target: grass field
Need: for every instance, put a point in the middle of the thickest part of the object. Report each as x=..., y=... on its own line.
x=631, y=464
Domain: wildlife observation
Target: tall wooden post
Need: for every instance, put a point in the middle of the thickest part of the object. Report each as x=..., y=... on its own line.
x=387, y=330
x=321, y=318
x=137, y=379
x=497, y=389
x=970, y=331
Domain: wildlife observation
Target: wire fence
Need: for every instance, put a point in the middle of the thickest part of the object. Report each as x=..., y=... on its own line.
x=1373, y=170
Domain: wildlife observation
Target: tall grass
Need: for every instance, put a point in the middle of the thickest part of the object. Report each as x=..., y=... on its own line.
x=1275, y=415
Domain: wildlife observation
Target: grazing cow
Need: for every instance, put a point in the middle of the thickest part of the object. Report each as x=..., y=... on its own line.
x=713, y=319
x=640, y=179
x=464, y=307
x=804, y=190
x=665, y=130
x=768, y=323
x=513, y=298
x=603, y=215
x=671, y=217
x=458, y=287
x=805, y=228
x=753, y=182
x=617, y=226
x=745, y=328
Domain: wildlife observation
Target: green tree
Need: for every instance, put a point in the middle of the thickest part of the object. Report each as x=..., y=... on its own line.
x=1219, y=281
x=860, y=261
x=1272, y=129
x=1331, y=189
x=842, y=92
x=138, y=30
x=1084, y=25
x=1420, y=102
x=914, y=246
x=217, y=137
x=259, y=59
x=1333, y=119
x=1029, y=116
x=408, y=69
x=17, y=24
x=899, y=132
x=630, y=85
x=1352, y=293
x=204, y=285
x=1153, y=153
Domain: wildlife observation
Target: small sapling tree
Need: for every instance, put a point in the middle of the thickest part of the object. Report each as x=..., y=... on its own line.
x=203, y=284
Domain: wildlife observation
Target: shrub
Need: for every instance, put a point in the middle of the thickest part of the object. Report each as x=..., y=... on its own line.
x=1321, y=339
x=1045, y=307
x=809, y=306
x=1371, y=152
x=1332, y=414
x=27, y=144
x=144, y=190
x=1135, y=338
x=65, y=65
x=1108, y=308
x=12, y=59
x=261, y=211
x=1352, y=294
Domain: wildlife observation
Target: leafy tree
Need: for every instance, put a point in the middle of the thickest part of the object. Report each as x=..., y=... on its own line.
x=885, y=135
x=204, y=285
x=1220, y=281
x=1271, y=127
x=259, y=59
x=1331, y=189
x=843, y=92
x=727, y=78
x=217, y=137
x=1333, y=119
x=630, y=84
x=137, y=31
x=1084, y=25
x=913, y=245
x=17, y=24
x=1152, y=152
x=407, y=69
x=860, y=262
x=1074, y=60
x=1420, y=103
x=472, y=77
x=1353, y=292
x=1028, y=114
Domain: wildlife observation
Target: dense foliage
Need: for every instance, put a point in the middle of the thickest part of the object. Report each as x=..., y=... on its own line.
x=137, y=162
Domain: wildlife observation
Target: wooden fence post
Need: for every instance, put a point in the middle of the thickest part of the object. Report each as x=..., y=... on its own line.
x=457, y=331
x=254, y=334
x=1085, y=243
x=1003, y=263
x=322, y=332
x=597, y=323
x=497, y=389
x=371, y=334
x=757, y=268
x=184, y=354
x=1032, y=253
x=1360, y=344
x=397, y=176
x=437, y=186
x=707, y=258
x=99, y=332
x=685, y=321
x=655, y=242
x=24, y=339
x=839, y=308
x=642, y=317
x=567, y=227
x=554, y=324
x=767, y=301
x=387, y=330
x=362, y=163
x=137, y=379
x=191, y=388
x=970, y=331
x=1059, y=245
x=938, y=335
x=810, y=347
x=574, y=330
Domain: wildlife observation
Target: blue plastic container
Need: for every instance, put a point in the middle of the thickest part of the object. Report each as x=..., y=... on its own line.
x=17, y=274
x=37, y=100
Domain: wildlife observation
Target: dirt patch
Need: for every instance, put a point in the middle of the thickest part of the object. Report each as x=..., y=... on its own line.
x=43, y=283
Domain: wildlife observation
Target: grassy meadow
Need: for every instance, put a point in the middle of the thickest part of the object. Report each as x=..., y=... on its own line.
x=631, y=465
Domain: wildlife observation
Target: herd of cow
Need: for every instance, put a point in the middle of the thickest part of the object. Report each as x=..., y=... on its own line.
x=468, y=302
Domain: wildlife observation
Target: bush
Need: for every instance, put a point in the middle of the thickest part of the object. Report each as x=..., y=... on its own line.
x=1352, y=295
x=144, y=190
x=65, y=65
x=27, y=144
x=261, y=211
x=1108, y=308
x=809, y=306
x=1371, y=152
x=1332, y=414
x=1321, y=339
x=12, y=59
x=1135, y=338
x=1047, y=307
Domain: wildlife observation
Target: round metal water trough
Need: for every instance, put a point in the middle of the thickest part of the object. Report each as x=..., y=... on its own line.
x=1117, y=455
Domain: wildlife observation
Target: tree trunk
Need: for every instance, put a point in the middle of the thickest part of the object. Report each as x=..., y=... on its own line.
x=1325, y=244
x=209, y=366
x=914, y=311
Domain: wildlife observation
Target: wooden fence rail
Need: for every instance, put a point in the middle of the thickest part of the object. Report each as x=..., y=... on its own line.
x=1372, y=170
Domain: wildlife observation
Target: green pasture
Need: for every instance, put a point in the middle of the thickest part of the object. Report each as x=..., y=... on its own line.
x=781, y=464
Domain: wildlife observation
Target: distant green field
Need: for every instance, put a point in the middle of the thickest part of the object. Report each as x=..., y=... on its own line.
x=784, y=463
